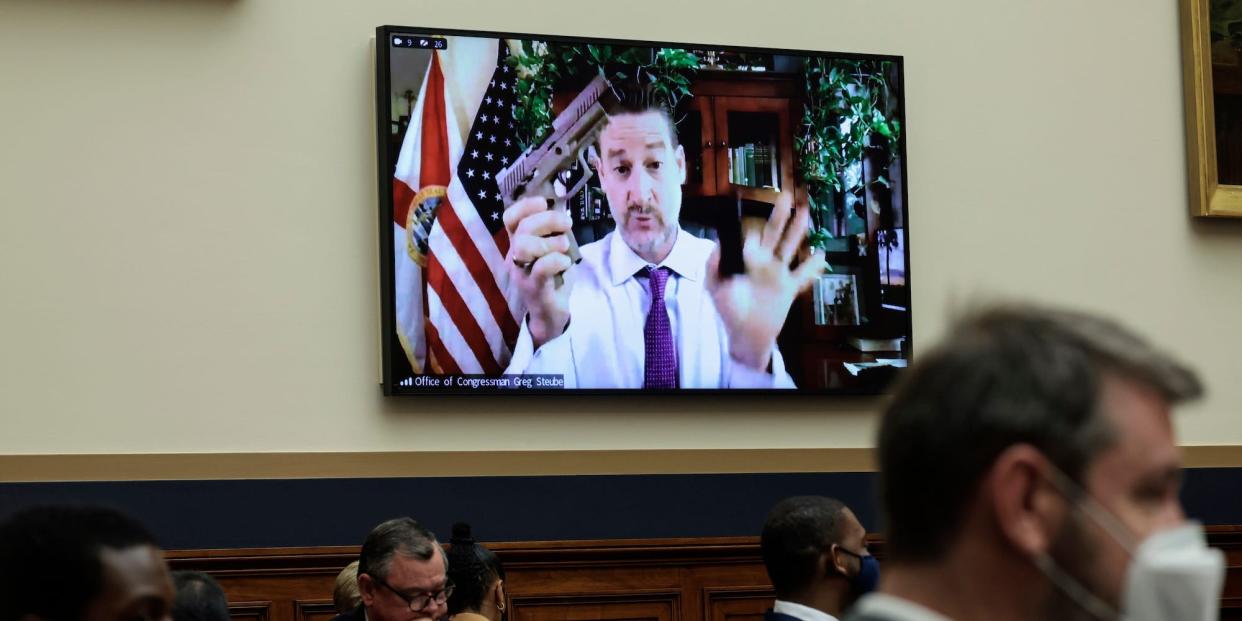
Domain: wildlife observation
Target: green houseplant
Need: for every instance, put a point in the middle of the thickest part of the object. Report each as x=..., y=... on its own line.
x=543, y=66
x=848, y=111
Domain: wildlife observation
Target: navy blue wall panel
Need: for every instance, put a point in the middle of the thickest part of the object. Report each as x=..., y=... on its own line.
x=317, y=512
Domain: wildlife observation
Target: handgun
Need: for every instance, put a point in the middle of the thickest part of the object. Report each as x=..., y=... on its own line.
x=557, y=168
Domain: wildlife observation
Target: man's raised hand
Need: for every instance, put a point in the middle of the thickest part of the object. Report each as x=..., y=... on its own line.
x=754, y=304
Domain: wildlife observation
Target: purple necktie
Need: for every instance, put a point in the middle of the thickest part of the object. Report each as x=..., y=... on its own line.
x=659, y=354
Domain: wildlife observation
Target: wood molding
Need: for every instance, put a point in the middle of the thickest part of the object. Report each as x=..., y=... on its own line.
x=531, y=554
x=309, y=609
x=684, y=550
x=221, y=466
x=250, y=611
x=241, y=466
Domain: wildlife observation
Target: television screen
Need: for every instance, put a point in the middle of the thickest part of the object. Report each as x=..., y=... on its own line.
x=564, y=214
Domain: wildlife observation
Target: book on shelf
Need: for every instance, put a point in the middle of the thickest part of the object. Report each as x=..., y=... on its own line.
x=873, y=345
x=765, y=167
x=753, y=165
x=748, y=151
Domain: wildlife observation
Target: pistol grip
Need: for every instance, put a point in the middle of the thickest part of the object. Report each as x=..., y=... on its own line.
x=559, y=204
x=575, y=256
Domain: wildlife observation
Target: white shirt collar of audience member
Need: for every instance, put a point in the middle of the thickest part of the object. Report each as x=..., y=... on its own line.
x=805, y=613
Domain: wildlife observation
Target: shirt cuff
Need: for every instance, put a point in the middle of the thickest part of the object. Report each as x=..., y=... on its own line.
x=557, y=349
x=742, y=376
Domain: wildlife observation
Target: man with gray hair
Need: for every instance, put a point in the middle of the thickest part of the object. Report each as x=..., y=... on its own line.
x=1028, y=470
x=401, y=575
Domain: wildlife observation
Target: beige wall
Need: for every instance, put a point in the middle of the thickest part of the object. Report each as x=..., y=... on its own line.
x=187, y=214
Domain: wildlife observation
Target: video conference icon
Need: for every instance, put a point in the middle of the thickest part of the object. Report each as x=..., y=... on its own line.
x=423, y=42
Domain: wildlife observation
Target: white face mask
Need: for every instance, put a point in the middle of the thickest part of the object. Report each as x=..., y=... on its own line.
x=1173, y=575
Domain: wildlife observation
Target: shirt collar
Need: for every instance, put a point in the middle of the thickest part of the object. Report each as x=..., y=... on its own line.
x=623, y=263
x=806, y=613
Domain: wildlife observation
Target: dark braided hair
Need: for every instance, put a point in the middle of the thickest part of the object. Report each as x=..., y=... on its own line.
x=473, y=570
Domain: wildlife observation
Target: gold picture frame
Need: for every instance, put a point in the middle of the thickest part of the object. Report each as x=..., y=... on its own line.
x=1208, y=197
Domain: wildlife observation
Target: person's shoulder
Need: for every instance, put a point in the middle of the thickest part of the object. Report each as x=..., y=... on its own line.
x=772, y=615
x=885, y=607
x=862, y=616
x=357, y=614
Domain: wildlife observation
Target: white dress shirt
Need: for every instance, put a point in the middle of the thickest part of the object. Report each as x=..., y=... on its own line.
x=603, y=347
x=805, y=613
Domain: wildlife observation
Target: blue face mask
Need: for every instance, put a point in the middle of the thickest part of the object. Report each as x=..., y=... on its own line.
x=868, y=576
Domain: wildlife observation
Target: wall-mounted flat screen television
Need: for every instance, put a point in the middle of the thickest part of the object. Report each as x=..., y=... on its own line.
x=563, y=214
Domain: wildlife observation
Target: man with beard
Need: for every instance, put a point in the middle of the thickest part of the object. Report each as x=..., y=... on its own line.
x=1029, y=471
x=815, y=552
x=646, y=307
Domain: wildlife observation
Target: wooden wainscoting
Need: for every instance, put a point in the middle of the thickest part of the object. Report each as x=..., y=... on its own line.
x=701, y=579
x=716, y=579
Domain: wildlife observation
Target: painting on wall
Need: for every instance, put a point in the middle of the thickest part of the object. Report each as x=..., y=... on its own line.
x=1212, y=66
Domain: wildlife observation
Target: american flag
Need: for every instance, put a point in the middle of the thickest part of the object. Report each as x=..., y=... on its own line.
x=465, y=320
x=491, y=145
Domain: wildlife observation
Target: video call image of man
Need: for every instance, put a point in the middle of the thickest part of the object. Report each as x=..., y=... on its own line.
x=600, y=328
x=1029, y=471
x=402, y=575
x=815, y=553
x=66, y=563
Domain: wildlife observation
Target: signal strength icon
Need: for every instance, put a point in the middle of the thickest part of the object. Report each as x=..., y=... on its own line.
x=409, y=381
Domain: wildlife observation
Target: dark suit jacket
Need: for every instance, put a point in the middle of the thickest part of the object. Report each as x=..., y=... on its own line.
x=357, y=614
x=772, y=615
x=858, y=617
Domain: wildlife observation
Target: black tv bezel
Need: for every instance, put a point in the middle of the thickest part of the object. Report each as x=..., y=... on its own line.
x=384, y=186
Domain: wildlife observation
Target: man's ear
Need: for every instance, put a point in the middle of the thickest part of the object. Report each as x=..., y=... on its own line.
x=1027, y=509
x=680, y=155
x=836, y=562
x=366, y=588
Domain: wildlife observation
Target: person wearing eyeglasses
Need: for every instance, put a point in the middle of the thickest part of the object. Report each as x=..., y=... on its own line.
x=402, y=575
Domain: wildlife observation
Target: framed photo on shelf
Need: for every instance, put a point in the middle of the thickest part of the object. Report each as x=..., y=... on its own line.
x=836, y=300
x=1212, y=80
